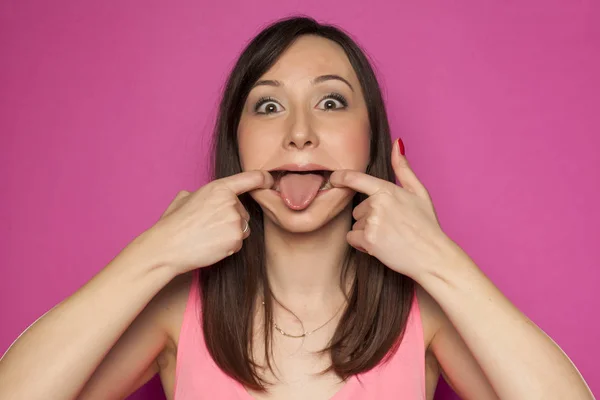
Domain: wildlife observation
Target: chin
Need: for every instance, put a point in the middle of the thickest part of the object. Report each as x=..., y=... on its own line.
x=325, y=207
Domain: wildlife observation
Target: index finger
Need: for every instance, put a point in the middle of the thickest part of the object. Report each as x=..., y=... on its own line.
x=358, y=181
x=247, y=181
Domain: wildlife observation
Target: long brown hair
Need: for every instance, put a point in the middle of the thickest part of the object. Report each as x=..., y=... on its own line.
x=379, y=301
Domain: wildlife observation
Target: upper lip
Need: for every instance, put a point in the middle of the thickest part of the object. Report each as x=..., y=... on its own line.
x=300, y=168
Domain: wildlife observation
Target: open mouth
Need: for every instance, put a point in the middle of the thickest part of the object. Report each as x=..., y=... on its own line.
x=278, y=174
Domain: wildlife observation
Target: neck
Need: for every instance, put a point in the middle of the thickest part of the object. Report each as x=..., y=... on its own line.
x=304, y=269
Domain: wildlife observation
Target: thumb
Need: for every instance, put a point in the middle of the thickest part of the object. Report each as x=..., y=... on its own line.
x=404, y=173
x=176, y=203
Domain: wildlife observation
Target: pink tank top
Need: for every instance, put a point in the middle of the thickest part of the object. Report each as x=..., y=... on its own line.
x=198, y=377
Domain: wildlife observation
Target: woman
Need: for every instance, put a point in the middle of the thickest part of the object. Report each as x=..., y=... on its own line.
x=302, y=271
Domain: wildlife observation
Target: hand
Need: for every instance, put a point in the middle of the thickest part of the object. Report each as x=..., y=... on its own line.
x=397, y=225
x=201, y=228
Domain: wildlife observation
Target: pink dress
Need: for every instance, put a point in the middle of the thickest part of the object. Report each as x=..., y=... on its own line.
x=198, y=377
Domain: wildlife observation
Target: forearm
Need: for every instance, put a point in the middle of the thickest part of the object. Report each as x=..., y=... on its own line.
x=61, y=350
x=519, y=359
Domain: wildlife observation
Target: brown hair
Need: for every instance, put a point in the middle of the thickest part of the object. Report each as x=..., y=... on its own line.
x=379, y=301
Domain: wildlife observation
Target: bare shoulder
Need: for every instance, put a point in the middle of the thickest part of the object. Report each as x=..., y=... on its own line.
x=432, y=316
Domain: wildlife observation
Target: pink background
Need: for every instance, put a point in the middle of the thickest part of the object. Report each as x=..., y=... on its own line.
x=106, y=108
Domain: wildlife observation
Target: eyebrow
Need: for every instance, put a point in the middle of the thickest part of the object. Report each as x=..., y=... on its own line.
x=318, y=79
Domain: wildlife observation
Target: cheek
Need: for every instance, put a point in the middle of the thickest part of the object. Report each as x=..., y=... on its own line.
x=253, y=148
x=353, y=149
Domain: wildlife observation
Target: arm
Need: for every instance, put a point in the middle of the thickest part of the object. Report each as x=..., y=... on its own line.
x=399, y=226
x=454, y=360
x=519, y=359
x=60, y=352
x=143, y=349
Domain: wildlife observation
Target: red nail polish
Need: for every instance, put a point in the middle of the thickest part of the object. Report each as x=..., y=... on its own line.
x=401, y=146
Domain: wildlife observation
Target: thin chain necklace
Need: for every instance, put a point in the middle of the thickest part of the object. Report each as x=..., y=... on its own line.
x=305, y=334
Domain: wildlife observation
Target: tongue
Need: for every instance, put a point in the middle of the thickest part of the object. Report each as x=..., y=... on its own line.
x=299, y=190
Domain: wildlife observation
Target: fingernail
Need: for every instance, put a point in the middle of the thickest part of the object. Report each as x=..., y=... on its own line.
x=401, y=146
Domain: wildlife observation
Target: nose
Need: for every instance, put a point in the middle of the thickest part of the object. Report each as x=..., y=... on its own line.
x=301, y=133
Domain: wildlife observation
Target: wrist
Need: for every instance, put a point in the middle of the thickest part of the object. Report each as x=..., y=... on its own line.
x=454, y=265
x=143, y=252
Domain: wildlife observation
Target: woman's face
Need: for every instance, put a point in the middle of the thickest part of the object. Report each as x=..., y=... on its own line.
x=306, y=113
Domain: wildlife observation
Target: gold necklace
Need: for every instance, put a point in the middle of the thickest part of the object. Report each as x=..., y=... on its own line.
x=278, y=329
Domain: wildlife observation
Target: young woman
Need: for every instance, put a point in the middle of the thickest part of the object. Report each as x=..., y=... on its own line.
x=301, y=271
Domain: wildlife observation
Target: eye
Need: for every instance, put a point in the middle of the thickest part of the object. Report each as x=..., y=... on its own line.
x=266, y=105
x=333, y=101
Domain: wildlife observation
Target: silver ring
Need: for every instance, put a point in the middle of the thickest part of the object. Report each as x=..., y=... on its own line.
x=246, y=227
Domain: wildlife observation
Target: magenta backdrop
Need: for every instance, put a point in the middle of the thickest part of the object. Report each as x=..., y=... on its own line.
x=106, y=108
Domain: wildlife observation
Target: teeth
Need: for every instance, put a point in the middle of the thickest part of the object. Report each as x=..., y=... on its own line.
x=326, y=185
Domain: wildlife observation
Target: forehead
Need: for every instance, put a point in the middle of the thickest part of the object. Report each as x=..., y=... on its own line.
x=311, y=56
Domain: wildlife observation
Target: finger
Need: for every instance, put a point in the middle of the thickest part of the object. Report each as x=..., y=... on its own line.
x=406, y=176
x=359, y=225
x=245, y=229
x=245, y=217
x=362, y=209
x=242, y=210
x=358, y=181
x=248, y=180
x=356, y=240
